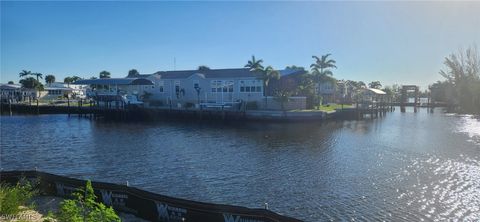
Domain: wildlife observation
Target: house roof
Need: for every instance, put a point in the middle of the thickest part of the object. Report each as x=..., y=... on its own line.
x=10, y=86
x=208, y=74
x=217, y=73
x=59, y=88
x=114, y=81
x=286, y=72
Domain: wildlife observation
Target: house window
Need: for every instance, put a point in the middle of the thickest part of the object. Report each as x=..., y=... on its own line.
x=177, y=86
x=229, y=85
x=160, y=86
x=251, y=86
x=196, y=84
x=219, y=86
x=214, y=85
x=242, y=86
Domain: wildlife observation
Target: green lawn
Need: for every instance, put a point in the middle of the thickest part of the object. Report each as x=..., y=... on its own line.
x=324, y=108
x=332, y=107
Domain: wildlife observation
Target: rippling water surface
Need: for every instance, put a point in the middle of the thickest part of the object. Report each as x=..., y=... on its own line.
x=405, y=166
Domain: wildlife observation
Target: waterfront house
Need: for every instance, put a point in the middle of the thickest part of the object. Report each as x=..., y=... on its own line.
x=16, y=93
x=327, y=90
x=11, y=92
x=52, y=93
x=212, y=88
x=67, y=89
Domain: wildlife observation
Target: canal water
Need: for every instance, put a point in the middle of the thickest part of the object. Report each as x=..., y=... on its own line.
x=403, y=167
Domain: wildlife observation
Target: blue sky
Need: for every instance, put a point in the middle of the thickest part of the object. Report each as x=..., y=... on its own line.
x=394, y=42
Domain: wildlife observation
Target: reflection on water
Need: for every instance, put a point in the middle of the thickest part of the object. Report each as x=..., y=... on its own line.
x=469, y=125
x=403, y=167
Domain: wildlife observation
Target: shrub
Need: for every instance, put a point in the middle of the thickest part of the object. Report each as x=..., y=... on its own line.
x=83, y=207
x=12, y=197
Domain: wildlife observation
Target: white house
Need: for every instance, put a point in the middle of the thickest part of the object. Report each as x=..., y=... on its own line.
x=72, y=90
x=15, y=93
x=207, y=87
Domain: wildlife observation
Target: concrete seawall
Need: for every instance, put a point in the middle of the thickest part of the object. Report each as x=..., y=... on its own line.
x=134, y=113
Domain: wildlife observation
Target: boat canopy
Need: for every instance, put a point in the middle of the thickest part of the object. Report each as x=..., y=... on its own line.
x=114, y=81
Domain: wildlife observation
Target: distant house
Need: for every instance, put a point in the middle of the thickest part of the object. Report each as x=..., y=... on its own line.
x=290, y=79
x=51, y=93
x=67, y=89
x=207, y=87
x=190, y=88
x=327, y=89
x=345, y=92
x=15, y=93
x=10, y=92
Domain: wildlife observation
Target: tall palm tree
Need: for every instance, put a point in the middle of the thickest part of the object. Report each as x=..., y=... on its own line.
x=38, y=75
x=266, y=75
x=49, y=79
x=254, y=64
x=321, y=67
x=24, y=73
x=104, y=75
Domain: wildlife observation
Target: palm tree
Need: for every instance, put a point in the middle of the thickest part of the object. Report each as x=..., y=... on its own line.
x=133, y=73
x=68, y=80
x=104, y=75
x=38, y=75
x=49, y=79
x=266, y=75
x=254, y=64
x=321, y=67
x=24, y=73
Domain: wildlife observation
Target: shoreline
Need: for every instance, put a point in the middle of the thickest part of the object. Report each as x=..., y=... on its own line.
x=149, y=113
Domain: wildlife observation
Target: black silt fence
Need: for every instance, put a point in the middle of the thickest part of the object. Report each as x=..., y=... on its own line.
x=144, y=204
